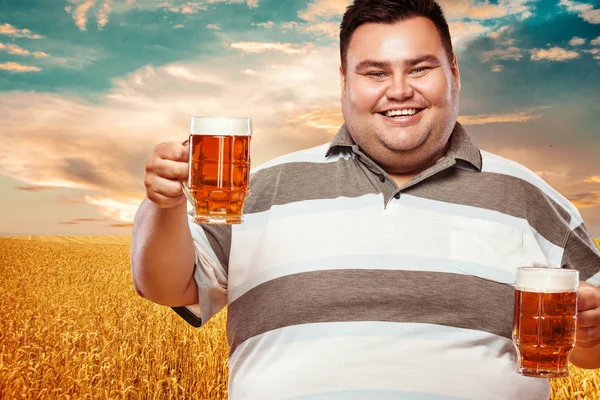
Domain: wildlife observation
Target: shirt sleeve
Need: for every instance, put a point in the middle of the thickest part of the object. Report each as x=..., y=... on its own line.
x=581, y=253
x=212, y=245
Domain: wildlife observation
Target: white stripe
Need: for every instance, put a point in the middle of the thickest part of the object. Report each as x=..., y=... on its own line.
x=312, y=155
x=500, y=165
x=297, y=237
x=315, y=358
x=210, y=276
x=595, y=280
x=374, y=262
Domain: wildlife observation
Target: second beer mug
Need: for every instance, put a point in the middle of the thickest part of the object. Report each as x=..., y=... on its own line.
x=545, y=317
x=219, y=168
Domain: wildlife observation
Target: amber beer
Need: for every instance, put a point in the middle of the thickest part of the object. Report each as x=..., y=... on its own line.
x=544, y=323
x=219, y=168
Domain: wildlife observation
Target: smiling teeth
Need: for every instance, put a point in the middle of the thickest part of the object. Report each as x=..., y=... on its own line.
x=395, y=113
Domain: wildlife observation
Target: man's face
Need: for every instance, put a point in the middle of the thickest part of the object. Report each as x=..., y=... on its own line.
x=400, y=93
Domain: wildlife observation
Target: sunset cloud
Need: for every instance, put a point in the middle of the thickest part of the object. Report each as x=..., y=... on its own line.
x=516, y=117
x=576, y=41
x=511, y=53
x=471, y=9
x=584, y=200
x=553, y=54
x=584, y=10
x=268, y=24
x=497, y=68
x=261, y=47
x=34, y=188
x=596, y=42
x=102, y=13
x=13, y=49
x=594, y=179
x=215, y=27
x=16, y=67
x=9, y=30
x=79, y=13
x=103, y=146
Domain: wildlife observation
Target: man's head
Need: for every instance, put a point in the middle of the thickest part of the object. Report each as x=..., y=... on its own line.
x=396, y=59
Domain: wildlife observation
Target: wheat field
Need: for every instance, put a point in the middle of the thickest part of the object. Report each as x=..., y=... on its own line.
x=72, y=327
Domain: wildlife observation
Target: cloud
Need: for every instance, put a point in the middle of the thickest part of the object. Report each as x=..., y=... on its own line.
x=596, y=42
x=584, y=10
x=16, y=67
x=79, y=13
x=470, y=9
x=101, y=147
x=318, y=10
x=328, y=120
x=553, y=54
x=188, y=8
x=14, y=49
x=584, y=200
x=268, y=24
x=497, y=68
x=214, y=27
x=261, y=47
x=178, y=26
x=102, y=14
x=511, y=53
x=577, y=41
x=516, y=117
x=33, y=188
x=9, y=30
x=498, y=33
x=595, y=52
x=82, y=221
x=593, y=179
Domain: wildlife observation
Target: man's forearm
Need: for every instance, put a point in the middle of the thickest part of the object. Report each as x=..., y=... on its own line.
x=162, y=255
x=588, y=358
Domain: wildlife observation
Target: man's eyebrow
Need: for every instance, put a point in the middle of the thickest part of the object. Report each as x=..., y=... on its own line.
x=372, y=64
x=421, y=59
x=361, y=66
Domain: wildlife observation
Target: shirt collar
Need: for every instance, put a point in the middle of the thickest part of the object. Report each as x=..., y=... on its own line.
x=462, y=147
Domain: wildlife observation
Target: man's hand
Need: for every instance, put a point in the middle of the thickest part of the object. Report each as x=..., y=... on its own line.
x=587, y=348
x=167, y=164
x=588, y=318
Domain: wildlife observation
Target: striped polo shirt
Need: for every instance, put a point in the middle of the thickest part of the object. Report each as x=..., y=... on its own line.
x=342, y=285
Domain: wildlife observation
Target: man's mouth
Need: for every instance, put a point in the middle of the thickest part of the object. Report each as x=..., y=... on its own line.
x=407, y=112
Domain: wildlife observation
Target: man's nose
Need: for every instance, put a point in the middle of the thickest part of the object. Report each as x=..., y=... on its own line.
x=399, y=88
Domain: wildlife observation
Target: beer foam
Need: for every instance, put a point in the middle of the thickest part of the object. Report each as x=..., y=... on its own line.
x=226, y=126
x=547, y=280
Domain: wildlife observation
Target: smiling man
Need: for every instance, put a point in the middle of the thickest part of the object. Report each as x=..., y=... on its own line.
x=377, y=266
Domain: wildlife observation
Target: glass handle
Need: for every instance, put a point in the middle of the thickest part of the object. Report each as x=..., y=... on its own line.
x=187, y=194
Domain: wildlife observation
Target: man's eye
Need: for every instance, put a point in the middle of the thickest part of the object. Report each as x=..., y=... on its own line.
x=377, y=74
x=419, y=70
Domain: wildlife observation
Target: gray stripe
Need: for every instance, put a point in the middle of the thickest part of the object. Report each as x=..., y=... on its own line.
x=294, y=182
x=581, y=253
x=461, y=301
x=219, y=237
x=498, y=192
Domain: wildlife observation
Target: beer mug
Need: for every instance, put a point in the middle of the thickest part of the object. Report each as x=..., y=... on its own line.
x=219, y=169
x=545, y=315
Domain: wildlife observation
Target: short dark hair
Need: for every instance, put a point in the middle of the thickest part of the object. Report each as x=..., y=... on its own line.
x=389, y=12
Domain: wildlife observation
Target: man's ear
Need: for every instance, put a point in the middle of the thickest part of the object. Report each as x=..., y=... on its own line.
x=455, y=70
x=342, y=79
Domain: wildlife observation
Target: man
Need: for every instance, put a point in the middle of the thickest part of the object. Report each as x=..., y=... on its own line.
x=376, y=266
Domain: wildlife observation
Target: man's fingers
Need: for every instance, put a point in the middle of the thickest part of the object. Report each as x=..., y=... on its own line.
x=588, y=337
x=173, y=151
x=165, y=201
x=163, y=186
x=588, y=297
x=588, y=318
x=170, y=169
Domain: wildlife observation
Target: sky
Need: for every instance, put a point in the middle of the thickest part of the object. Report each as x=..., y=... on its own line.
x=89, y=87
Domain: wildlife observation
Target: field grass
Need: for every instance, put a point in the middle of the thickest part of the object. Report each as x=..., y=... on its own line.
x=72, y=327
